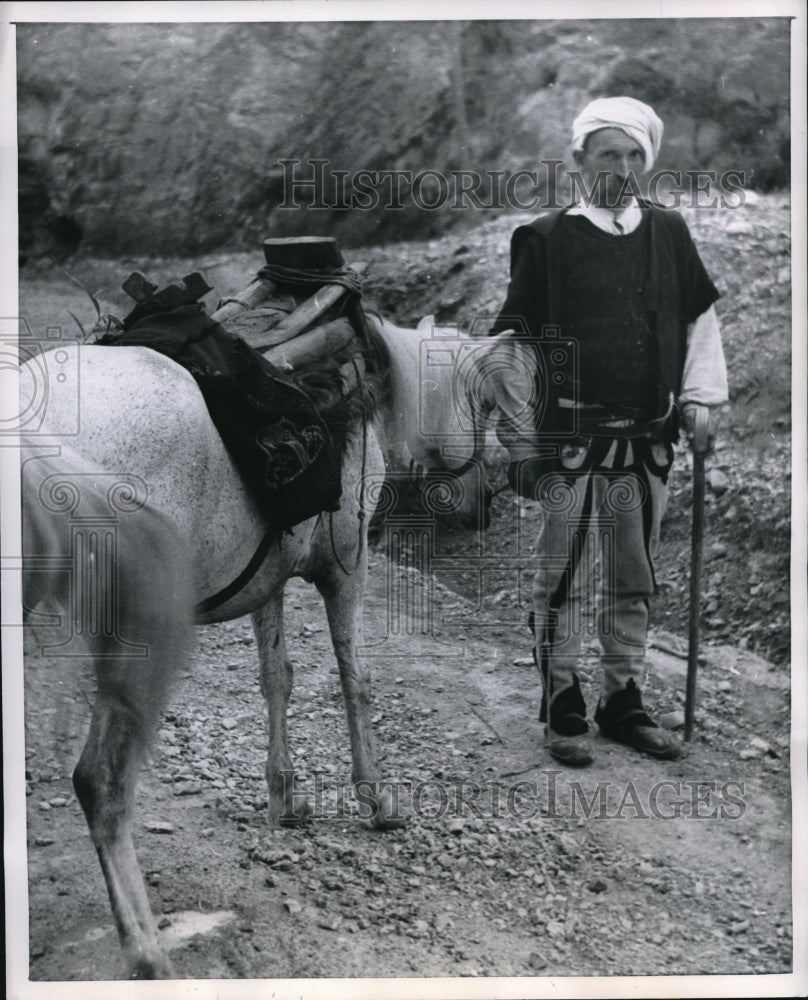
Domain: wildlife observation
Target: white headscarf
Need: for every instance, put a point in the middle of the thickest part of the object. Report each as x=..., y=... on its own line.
x=637, y=120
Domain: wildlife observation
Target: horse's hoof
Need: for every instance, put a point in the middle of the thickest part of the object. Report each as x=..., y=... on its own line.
x=390, y=812
x=298, y=814
x=388, y=822
x=152, y=965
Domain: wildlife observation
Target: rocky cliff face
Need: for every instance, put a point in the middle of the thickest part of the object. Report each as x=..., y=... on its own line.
x=169, y=138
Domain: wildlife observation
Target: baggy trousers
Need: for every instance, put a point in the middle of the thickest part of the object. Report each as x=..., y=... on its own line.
x=600, y=516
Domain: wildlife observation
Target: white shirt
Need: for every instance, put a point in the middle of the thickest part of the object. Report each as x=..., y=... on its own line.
x=704, y=379
x=617, y=223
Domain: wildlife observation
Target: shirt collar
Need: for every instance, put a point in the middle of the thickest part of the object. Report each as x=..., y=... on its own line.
x=624, y=222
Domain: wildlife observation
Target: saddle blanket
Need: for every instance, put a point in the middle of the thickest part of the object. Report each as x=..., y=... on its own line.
x=274, y=433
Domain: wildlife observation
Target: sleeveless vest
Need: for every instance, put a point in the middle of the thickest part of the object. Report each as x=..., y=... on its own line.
x=603, y=312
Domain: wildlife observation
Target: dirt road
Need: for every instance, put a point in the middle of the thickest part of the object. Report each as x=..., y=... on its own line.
x=508, y=866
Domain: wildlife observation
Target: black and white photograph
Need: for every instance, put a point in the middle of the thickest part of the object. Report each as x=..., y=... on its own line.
x=404, y=508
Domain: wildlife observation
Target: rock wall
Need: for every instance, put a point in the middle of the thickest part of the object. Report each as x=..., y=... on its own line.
x=167, y=139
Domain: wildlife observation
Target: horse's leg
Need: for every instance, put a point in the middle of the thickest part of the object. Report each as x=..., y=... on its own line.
x=286, y=808
x=343, y=594
x=123, y=717
x=144, y=586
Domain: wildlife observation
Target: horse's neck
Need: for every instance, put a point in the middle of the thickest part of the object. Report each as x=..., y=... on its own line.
x=394, y=419
x=418, y=413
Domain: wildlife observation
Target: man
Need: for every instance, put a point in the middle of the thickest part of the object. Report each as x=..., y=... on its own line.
x=613, y=295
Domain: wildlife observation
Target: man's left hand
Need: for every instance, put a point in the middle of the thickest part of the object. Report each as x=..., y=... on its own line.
x=700, y=425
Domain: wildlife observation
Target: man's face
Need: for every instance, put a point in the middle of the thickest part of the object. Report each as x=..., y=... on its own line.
x=614, y=155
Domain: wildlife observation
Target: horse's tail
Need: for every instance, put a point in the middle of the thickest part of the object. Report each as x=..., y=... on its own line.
x=114, y=571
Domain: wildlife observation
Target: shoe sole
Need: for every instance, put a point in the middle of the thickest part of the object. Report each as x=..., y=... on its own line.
x=571, y=760
x=673, y=753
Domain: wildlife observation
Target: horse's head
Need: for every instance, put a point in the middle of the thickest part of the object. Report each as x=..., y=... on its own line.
x=503, y=383
x=448, y=393
x=487, y=397
x=454, y=435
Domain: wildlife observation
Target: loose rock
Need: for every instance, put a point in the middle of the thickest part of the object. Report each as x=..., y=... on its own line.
x=156, y=826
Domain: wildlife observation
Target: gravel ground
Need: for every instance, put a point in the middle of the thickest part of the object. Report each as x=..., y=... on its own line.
x=508, y=865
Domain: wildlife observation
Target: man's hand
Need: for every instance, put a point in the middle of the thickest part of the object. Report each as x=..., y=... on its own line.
x=700, y=425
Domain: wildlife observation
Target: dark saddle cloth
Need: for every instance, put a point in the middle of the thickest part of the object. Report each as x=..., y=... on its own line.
x=272, y=429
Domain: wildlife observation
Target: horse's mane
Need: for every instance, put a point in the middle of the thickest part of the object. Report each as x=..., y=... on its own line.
x=340, y=412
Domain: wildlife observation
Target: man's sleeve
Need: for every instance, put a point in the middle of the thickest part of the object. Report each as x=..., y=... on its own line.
x=704, y=379
x=526, y=299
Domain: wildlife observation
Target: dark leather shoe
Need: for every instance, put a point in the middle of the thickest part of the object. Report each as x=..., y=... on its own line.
x=573, y=751
x=624, y=720
x=566, y=735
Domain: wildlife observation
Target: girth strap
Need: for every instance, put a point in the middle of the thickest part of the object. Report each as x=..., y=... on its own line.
x=244, y=576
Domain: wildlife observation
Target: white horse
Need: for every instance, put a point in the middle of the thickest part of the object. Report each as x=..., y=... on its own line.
x=148, y=499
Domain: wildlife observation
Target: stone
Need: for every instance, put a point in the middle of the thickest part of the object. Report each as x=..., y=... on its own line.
x=673, y=720
x=717, y=481
x=188, y=788
x=157, y=826
x=738, y=927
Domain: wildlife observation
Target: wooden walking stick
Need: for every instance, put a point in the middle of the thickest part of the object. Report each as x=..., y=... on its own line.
x=700, y=445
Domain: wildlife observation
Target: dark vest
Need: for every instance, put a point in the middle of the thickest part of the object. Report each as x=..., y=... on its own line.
x=603, y=312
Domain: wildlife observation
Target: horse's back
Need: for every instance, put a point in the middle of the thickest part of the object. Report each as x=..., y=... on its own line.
x=142, y=419
x=74, y=389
